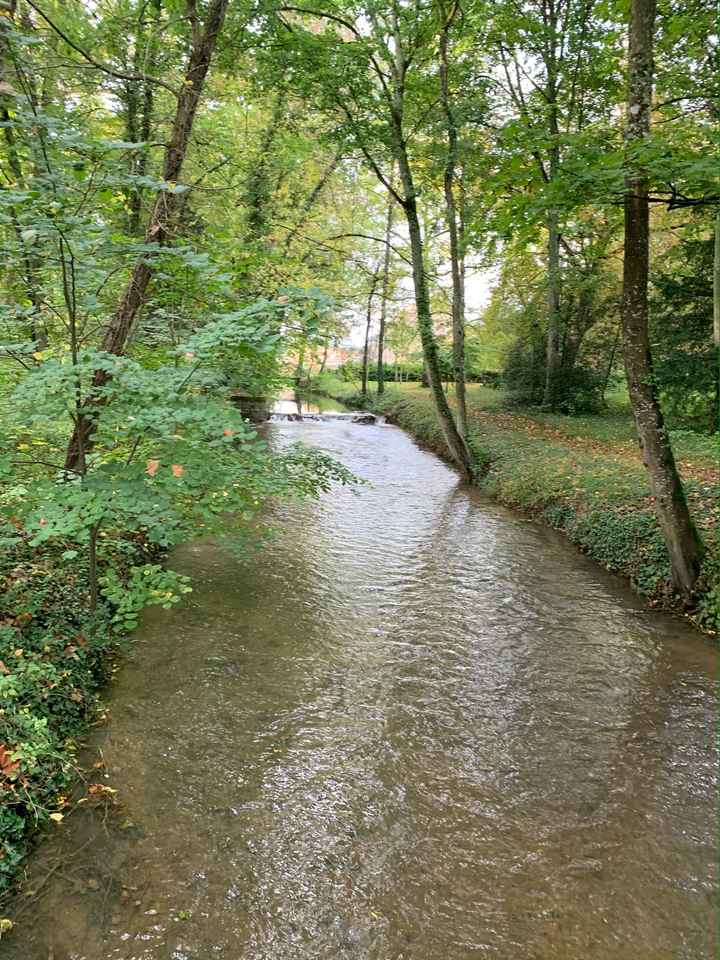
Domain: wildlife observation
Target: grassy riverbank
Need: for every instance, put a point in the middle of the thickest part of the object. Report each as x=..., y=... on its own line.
x=581, y=475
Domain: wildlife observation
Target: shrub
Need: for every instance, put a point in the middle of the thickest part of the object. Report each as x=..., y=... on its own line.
x=580, y=386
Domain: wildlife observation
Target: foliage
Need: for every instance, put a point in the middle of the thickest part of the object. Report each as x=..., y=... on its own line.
x=686, y=363
x=271, y=235
x=54, y=657
x=580, y=391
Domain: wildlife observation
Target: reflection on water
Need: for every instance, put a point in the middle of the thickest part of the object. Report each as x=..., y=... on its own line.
x=413, y=726
x=290, y=403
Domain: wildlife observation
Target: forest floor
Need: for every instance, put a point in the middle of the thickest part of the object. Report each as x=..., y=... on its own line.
x=582, y=475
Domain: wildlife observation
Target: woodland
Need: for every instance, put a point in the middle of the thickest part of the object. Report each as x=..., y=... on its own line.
x=505, y=217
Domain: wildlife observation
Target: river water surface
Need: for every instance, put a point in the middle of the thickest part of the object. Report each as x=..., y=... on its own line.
x=413, y=726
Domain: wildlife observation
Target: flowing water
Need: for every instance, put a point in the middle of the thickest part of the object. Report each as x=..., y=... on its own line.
x=413, y=726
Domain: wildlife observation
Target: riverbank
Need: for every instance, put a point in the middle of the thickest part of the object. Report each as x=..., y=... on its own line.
x=54, y=659
x=580, y=475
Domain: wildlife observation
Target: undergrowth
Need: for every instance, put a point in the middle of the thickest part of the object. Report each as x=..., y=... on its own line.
x=54, y=658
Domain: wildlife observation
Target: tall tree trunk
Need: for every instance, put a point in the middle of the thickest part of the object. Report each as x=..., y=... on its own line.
x=716, y=283
x=456, y=241
x=552, y=353
x=368, y=323
x=323, y=363
x=716, y=318
x=457, y=446
x=681, y=538
x=259, y=190
x=456, y=443
x=135, y=294
x=461, y=242
x=141, y=114
x=385, y=295
x=30, y=262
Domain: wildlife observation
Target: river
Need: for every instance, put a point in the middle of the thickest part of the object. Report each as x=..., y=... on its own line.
x=413, y=725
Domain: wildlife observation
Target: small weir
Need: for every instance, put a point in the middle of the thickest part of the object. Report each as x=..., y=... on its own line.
x=298, y=409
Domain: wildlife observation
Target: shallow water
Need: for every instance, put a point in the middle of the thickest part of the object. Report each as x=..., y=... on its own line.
x=413, y=726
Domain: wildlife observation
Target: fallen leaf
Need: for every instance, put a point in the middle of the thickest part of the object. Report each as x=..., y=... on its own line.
x=8, y=766
x=100, y=790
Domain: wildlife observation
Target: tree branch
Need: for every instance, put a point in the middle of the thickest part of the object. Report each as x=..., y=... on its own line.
x=96, y=63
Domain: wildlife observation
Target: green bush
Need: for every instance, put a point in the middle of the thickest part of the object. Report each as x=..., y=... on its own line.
x=54, y=657
x=580, y=387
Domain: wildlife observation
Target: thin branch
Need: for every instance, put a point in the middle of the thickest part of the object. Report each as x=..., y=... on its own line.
x=366, y=236
x=145, y=78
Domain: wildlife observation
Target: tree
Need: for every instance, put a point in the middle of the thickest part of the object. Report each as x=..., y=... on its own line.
x=454, y=222
x=716, y=285
x=368, y=323
x=681, y=538
x=385, y=296
x=362, y=68
x=553, y=105
x=685, y=360
x=161, y=220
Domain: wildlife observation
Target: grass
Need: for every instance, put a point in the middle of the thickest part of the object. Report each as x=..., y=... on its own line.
x=582, y=475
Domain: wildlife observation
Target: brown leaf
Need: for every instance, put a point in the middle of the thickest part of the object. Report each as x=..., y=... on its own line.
x=8, y=766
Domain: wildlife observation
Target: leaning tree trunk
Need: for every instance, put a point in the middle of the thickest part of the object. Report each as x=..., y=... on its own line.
x=681, y=538
x=311, y=200
x=456, y=443
x=456, y=251
x=259, y=190
x=135, y=295
x=457, y=446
